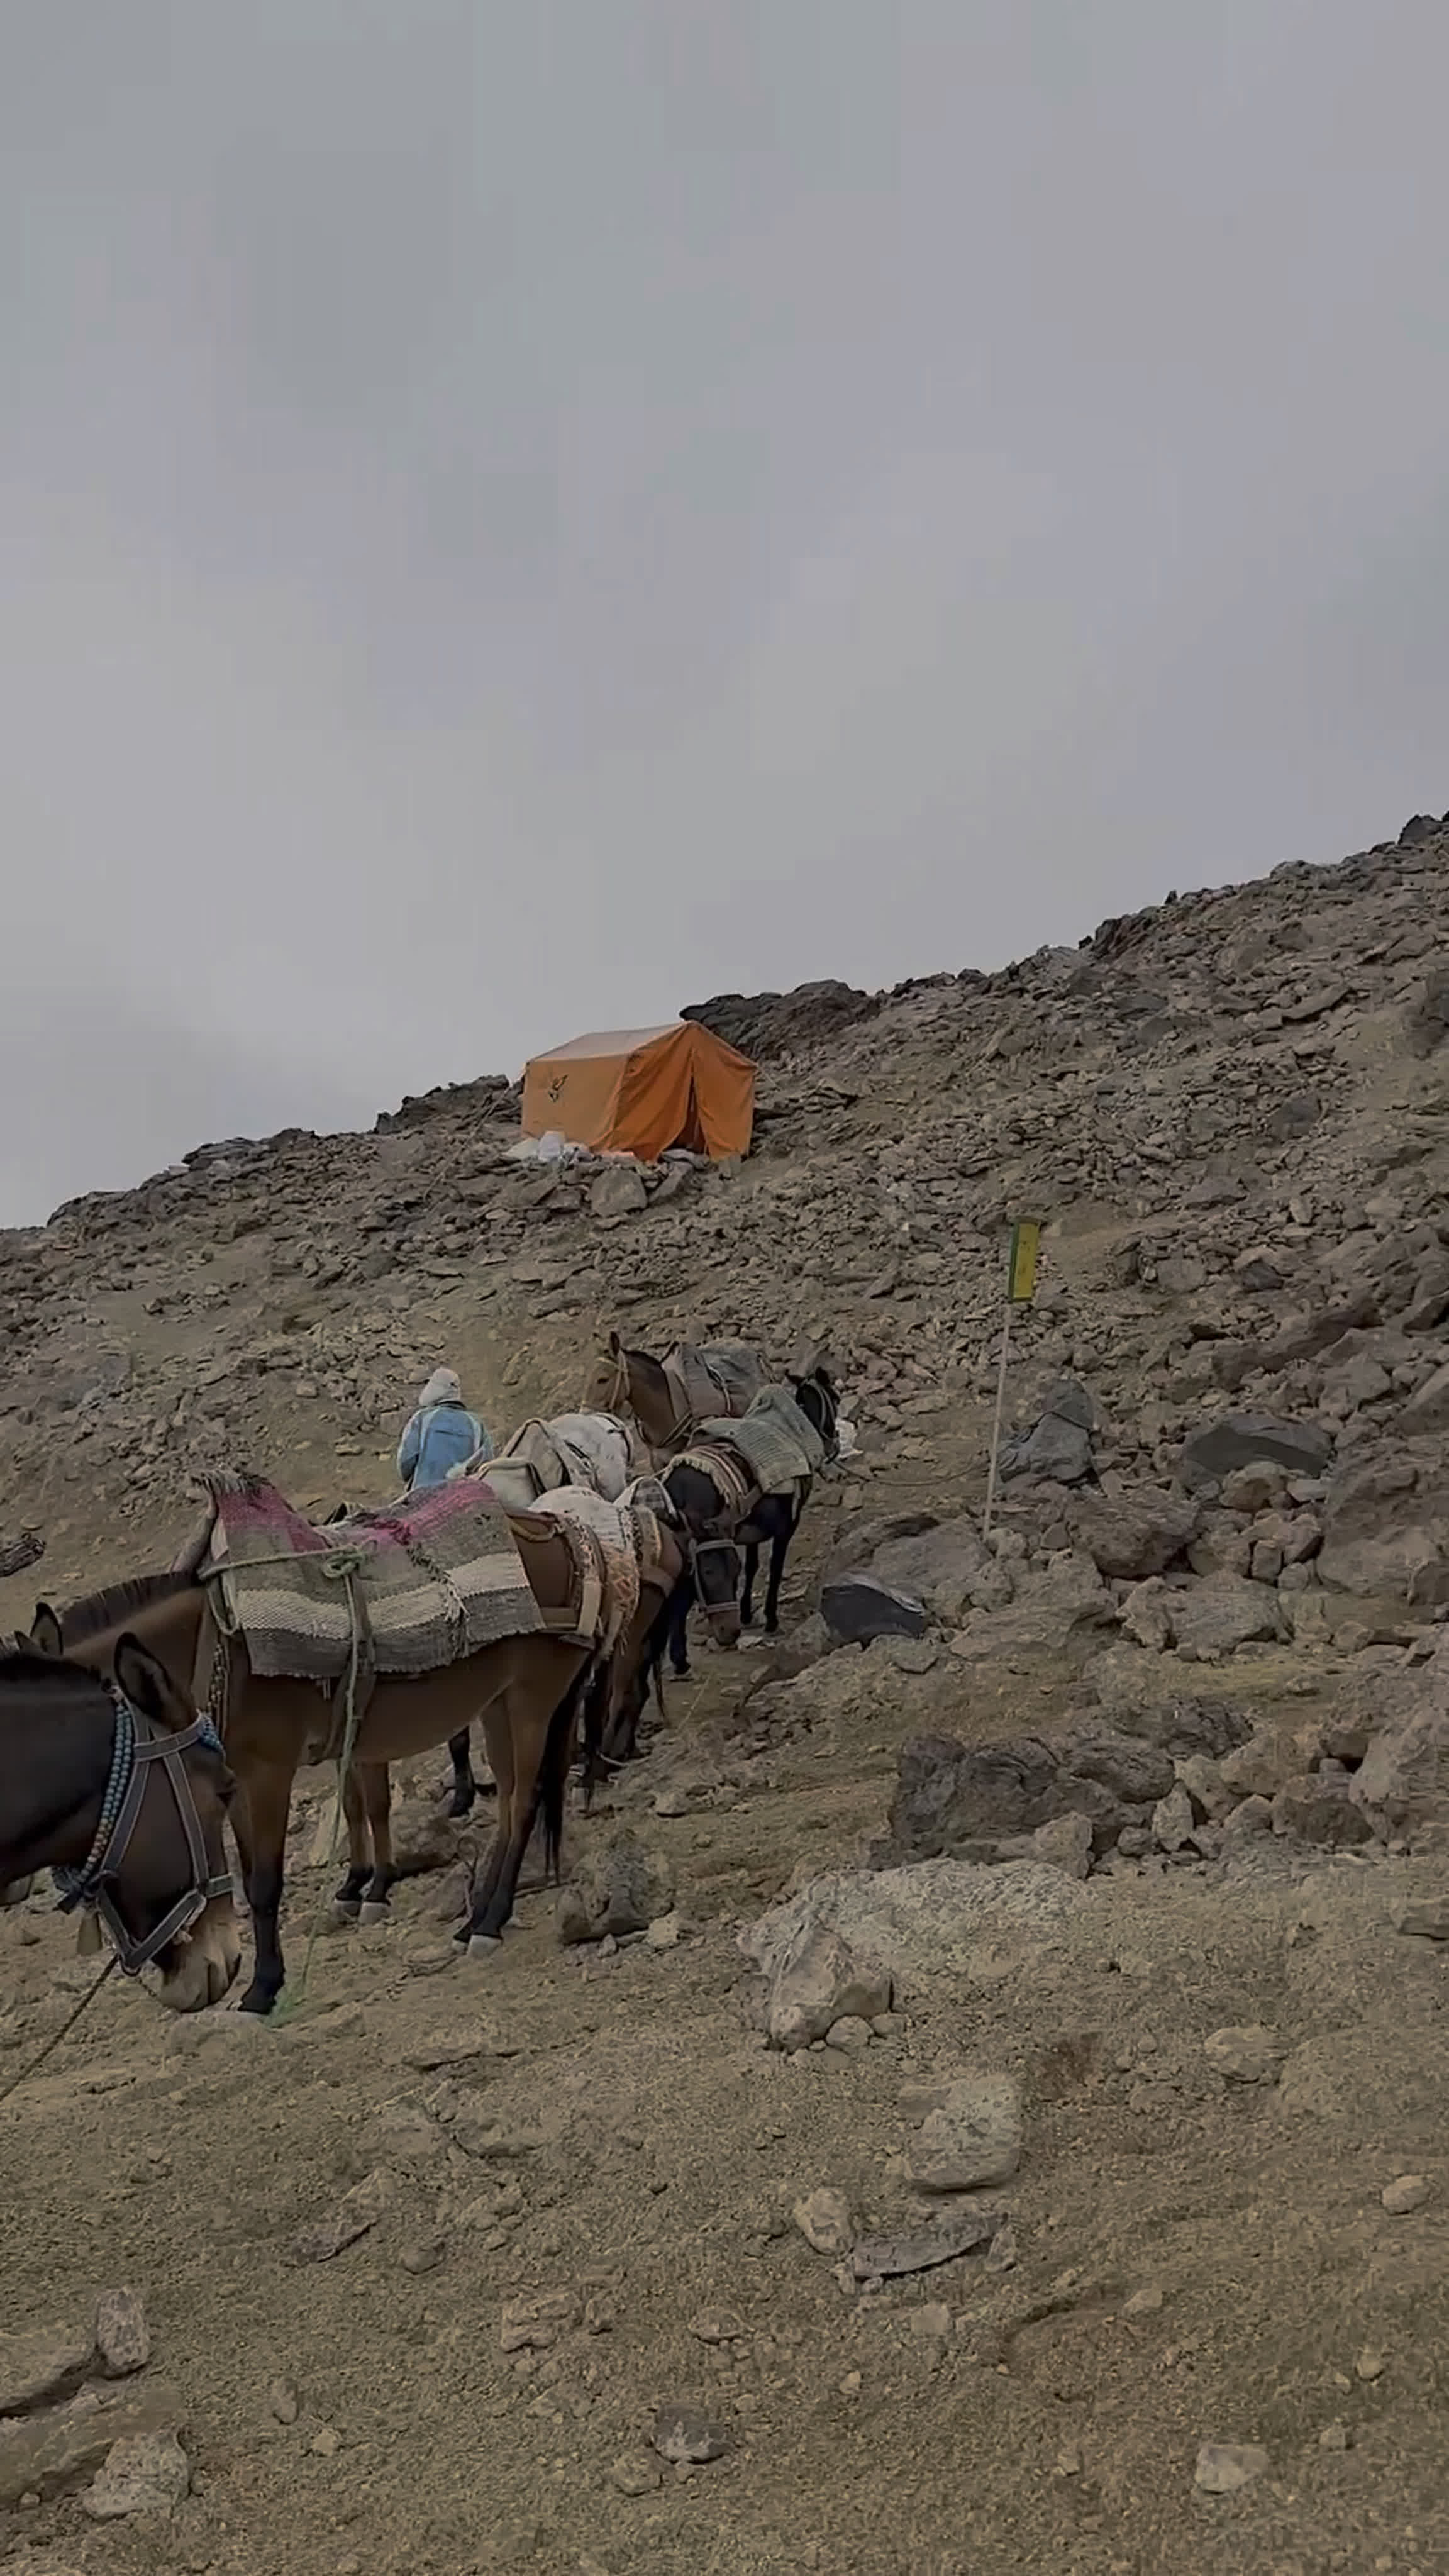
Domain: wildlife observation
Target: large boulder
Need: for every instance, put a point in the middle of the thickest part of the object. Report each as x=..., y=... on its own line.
x=1225, y=1612
x=969, y=1799
x=1386, y=1526
x=818, y=1980
x=937, y=1567
x=1132, y=1534
x=1236, y=1439
x=1059, y=1444
x=1057, y=1610
x=858, y=1607
x=941, y=1925
x=1402, y=1784
x=1428, y=1408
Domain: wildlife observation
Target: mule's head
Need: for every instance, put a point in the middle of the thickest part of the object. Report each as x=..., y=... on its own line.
x=196, y=1968
x=714, y=1559
x=608, y=1379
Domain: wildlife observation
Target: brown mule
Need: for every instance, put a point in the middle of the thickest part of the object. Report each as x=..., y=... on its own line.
x=526, y=1690
x=108, y=1779
x=624, y=1381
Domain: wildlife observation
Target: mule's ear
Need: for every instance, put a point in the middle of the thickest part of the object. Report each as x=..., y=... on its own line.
x=616, y=1347
x=45, y=1631
x=148, y=1685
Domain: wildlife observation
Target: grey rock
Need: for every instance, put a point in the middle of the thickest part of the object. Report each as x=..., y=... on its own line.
x=1232, y=1440
x=1173, y=1820
x=818, y=1980
x=123, y=2337
x=41, y=2364
x=825, y=2220
x=1133, y=1533
x=1402, y=1785
x=1405, y=2194
x=617, y=1191
x=355, y=2213
x=972, y=2137
x=1428, y=1408
x=1066, y=1842
x=1247, y=2055
x=144, y=2473
x=1225, y=2468
x=618, y=1887
x=1057, y=1610
x=936, y=1567
x=956, y=1797
x=935, y=1927
x=893, y=2258
x=684, y=2434
x=1319, y=1810
x=45, y=2453
x=1423, y=1918
x=858, y=1607
x=1215, y=1617
x=1295, y=1116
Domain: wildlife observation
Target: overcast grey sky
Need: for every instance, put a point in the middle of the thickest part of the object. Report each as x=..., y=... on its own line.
x=520, y=514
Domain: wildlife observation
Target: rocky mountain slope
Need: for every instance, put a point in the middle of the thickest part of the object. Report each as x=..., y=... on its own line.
x=993, y=2116
x=1230, y=1109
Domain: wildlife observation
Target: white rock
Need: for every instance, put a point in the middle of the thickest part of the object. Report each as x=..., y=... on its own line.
x=825, y=2221
x=145, y=2473
x=1244, y=2056
x=1224, y=2468
x=1408, y=2193
x=972, y=2137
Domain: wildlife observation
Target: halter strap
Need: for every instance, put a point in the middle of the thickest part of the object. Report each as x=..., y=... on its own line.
x=135, y=1745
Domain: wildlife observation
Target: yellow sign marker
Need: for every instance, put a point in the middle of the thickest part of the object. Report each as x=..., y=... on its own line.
x=1021, y=1268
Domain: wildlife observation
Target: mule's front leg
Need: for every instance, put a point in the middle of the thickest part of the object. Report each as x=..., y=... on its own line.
x=747, y=1591
x=779, y=1550
x=377, y=1791
x=679, y=1609
x=268, y=1798
x=348, y=1900
x=465, y=1787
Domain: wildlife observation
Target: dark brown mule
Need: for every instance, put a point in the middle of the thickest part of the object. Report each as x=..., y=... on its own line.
x=111, y=1783
x=635, y=1382
x=526, y=1690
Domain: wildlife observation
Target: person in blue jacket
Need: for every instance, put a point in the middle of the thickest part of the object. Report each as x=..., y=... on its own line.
x=441, y=1435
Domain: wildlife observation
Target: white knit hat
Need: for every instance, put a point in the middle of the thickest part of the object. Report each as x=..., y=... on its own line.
x=443, y=1387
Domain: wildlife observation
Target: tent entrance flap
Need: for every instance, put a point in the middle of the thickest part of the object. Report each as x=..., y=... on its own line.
x=639, y=1091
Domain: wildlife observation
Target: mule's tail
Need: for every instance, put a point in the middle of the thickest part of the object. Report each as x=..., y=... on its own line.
x=553, y=1770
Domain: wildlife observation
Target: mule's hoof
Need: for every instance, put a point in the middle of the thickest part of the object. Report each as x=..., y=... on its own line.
x=346, y=1909
x=481, y=1945
x=460, y=1804
x=257, y=1999
x=374, y=1909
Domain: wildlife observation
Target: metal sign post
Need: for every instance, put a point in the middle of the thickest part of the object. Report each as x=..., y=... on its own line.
x=1021, y=1270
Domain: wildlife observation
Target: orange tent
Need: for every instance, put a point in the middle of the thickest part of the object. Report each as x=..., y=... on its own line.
x=637, y=1091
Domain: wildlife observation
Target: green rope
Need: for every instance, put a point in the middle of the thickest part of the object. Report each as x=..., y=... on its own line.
x=342, y=1565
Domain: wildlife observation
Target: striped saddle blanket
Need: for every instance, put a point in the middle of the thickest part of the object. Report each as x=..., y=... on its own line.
x=427, y=1584
x=778, y=1441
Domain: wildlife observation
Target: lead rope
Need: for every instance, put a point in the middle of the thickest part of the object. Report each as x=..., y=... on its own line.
x=343, y=1567
x=56, y=2036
